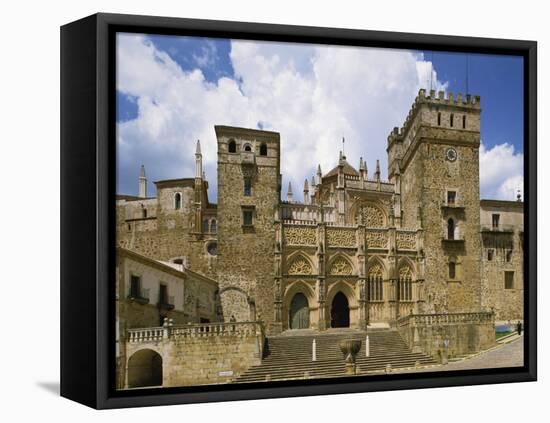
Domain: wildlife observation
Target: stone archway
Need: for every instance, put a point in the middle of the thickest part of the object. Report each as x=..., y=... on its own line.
x=144, y=369
x=339, y=311
x=298, y=312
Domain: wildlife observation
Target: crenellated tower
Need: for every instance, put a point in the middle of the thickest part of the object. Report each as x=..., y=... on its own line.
x=433, y=160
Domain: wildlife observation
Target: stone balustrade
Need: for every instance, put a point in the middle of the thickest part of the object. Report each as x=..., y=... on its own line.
x=194, y=330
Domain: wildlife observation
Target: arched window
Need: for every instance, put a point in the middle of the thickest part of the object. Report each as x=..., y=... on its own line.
x=177, y=201
x=213, y=226
x=464, y=122
x=232, y=146
x=375, y=283
x=263, y=149
x=205, y=226
x=439, y=119
x=247, y=147
x=452, y=268
x=450, y=229
x=404, y=284
x=452, y=120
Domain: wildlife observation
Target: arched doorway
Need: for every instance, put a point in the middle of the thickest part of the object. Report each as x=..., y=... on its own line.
x=299, y=312
x=145, y=369
x=339, y=311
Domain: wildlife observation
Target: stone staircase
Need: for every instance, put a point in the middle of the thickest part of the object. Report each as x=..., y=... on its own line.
x=289, y=356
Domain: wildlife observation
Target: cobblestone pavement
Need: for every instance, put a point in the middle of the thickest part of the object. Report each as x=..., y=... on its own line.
x=506, y=355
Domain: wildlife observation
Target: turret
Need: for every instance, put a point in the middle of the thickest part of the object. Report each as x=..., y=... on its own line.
x=289, y=195
x=319, y=175
x=377, y=172
x=142, y=183
x=306, y=192
x=198, y=161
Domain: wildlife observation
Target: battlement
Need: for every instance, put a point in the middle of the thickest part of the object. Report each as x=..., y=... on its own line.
x=464, y=103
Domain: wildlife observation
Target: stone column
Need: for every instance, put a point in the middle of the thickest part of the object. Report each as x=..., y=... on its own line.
x=321, y=278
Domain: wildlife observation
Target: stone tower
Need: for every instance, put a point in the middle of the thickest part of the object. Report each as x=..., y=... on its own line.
x=434, y=162
x=249, y=190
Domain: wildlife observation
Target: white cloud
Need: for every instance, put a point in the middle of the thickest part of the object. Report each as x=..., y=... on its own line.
x=500, y=172
x=312, y=94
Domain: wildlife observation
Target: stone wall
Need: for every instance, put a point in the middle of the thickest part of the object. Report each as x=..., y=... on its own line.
x=466, y=333
x=202, y=354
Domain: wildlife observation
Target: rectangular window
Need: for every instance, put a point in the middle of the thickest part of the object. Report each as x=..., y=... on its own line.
x=247, y=187
x=135, y=283
x=509, y=256
x=490, y=255
x=508, y=280
x=451, y=198
x=452, y=270
x=163, y=294
x=496, y=220
x=247, y=217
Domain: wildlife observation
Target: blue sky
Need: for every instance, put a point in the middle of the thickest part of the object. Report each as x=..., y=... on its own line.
x=173, y=90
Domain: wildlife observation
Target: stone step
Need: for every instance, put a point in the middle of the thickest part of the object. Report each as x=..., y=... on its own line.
x=289, y=357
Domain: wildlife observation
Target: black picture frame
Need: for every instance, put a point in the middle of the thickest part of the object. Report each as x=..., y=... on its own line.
x=87, y=212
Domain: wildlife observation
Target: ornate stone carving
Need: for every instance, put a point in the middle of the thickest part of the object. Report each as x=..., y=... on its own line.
x=405, y=273
x=341, y=237
x=300, y=266
x=372, y=216
x=406, y=240
x=300, y=235
x=375, y=270
x=341, y=267
x=377, y=239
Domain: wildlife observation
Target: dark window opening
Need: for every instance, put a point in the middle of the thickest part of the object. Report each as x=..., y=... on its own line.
x=213, y=226
x=177, y=201
x=144, y=213
x=232, y=146
x=177, y=261
x=496, y=220
x=205, y=226
x=451, y=197
x=451, y=229
x=508, y=280
x=163, y=294
x=212, y=248
x=452, y=270
x=247, y=147
x=439, y=119
x=135, y=283
x=452, y=120
x=247, y=217
x=509, y=256
x=247, y=187
x=464, y=122
x=489, y=255
x=263, y=149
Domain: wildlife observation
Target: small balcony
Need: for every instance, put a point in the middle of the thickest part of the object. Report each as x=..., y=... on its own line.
x=499, y=229
x=141, y=296
x=248, y=158
x=166, y=303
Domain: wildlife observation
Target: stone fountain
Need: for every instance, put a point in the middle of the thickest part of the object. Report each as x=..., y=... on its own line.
x=350, y=348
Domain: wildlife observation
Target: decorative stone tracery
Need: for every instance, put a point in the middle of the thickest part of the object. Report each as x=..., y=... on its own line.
x=300, y=235
x=406, y=240
x=300, y=266
x=372, y=216
x=340, y=267
x=341, y=237
x=377, y=239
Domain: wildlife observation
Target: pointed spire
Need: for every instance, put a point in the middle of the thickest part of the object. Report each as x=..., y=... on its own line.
x=198, y=149
x=142, y=183
x=377, y=173
x=313, y=182
x=361, y=164
x=306, y=185
x=289, y=195
x=198, y=162
x=319, y=174
x=341, y=156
